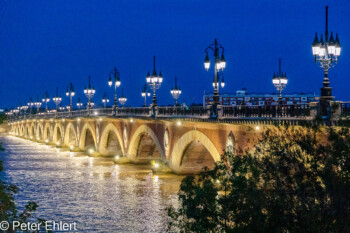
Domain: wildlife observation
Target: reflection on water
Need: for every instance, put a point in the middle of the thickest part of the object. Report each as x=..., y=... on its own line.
x=94, y=192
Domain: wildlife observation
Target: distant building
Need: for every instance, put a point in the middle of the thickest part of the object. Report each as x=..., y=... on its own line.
x=242, y=97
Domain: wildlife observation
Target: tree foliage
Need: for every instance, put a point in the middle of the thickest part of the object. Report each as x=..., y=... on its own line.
x=2, y=117
x=296, y=179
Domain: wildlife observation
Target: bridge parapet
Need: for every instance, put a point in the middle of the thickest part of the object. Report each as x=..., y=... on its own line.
x=294, y=114
x=267, y=111
x=301, y=111
x=345, y=109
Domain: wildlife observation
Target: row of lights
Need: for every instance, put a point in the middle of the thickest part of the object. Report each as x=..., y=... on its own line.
x=326, y=51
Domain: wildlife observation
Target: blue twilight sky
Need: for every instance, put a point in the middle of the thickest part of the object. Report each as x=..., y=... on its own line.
x=47, y=44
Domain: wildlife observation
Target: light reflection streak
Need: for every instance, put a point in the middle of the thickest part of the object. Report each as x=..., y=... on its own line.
x=93, y=191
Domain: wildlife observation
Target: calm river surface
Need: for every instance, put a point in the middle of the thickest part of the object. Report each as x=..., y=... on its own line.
x=94, y=192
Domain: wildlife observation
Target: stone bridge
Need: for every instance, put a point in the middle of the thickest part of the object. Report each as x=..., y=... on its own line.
x=184, y=145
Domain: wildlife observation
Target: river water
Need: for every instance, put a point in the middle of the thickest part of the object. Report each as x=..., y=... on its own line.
x=97, y=194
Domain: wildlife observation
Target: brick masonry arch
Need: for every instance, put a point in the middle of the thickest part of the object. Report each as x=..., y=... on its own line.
x=67, y=136
x=47, y=132
x=181, y=145
x=57, y=133
x=87, y=126
x=22, y=132
x=104, y=139
x=135, y=141
x=39, y=131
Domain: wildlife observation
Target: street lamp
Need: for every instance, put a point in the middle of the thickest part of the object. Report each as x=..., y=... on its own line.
x=175, y=92
x=326, y=52
x=30, y=105
x=70, y=93
x=37, y=105
x=145, y=93
x=89, y=92
x=57, y=99
x=117, y=83
x=154, y=81
x=280, y=82
x=79, y=103
x=24, y=108
x=46, y=99
x=15, y=111
x=105, y=100
x=122, y=99
x=220, y=65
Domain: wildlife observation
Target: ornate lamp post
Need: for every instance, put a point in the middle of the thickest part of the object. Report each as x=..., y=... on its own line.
x=37, y=105
x=30, y=105
x=46, y=99
x=16, y=112
x=9, y=114
x=219, y=65
x=89, y=92
x=154, y=81
x=176, y=92
x=122, y=99
x=105, y=100
x=79, y=103
x=145, y=93
x=326, y=52
x=57, y=100
x=280, y=82
x=70, y=93
x=24, y=108
x=117, y=84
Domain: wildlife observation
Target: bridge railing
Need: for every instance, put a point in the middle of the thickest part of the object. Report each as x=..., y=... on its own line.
x=301, y=111
x=266, y=111
x=191, y=111
x=345, y=109
x=129, y=111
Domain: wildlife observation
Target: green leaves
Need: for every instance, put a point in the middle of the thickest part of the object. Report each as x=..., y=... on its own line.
x=295, y=180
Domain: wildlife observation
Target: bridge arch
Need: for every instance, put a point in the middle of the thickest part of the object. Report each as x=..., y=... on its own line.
x=47, y=132
x=87, y=138
x=57, y=133
x=27, y=131
x=16, y=130
x=32, y=130
x=144, y=145
x=70, y=136
x=192, y=152
x=111, y=143
x=22, y=131
x=40, y=131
